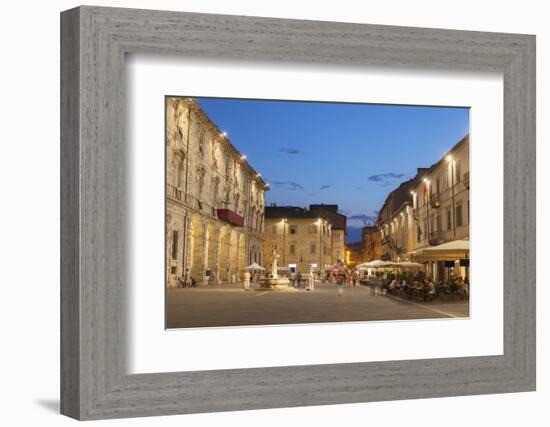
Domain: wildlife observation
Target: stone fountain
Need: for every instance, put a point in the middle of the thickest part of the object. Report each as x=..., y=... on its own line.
x=274, y=282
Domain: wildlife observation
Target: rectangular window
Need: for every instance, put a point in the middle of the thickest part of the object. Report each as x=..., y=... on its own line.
x=312, y=248
x=273, y=229
x=449, y=221
x=457, y=171
x=292, y=249
x=459, y=215
x=292, y=229
x=174, y=244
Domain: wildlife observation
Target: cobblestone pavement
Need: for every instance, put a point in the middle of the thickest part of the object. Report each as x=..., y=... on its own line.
x=230, y=305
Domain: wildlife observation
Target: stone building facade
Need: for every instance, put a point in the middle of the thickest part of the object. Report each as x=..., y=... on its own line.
x=338, y=224
x=371, y=245
x=214, y=200
x=441, y=204
x=304, y=237
x=428, y=210
x=396, y=223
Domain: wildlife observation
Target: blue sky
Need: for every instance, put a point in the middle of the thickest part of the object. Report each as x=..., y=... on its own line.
x=348, y=154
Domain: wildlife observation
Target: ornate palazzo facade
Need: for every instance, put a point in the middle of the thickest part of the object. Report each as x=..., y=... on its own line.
x=214, y=200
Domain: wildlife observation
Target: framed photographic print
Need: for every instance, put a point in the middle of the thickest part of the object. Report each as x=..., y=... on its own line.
x=292, y=213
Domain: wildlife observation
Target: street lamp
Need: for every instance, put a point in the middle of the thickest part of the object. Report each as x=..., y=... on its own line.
x=321, y=261
x=427, y=190
x=284, y=243
x=452, y=164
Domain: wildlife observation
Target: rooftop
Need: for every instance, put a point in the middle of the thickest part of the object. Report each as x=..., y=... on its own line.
x=327, y=212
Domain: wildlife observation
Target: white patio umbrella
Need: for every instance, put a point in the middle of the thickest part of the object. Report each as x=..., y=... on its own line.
x=254, y=267
x=377, y=263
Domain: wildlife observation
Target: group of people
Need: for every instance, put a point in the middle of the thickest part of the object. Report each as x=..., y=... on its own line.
x=424, y=287
x=307, y=279
x=186, y=281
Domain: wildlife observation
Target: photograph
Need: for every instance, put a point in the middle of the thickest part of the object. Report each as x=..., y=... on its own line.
x=299, y=212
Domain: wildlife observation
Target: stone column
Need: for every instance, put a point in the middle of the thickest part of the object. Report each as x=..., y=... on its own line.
x=228, y=266
x=169, y=280
x=188, y=255
x=204, y=261
x=237, y=257
x=216, y=266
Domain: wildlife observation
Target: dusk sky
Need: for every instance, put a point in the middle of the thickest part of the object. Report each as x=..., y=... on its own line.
x=352, y=155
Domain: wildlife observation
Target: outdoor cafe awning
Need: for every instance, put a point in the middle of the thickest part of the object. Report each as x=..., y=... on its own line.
x=450, y=251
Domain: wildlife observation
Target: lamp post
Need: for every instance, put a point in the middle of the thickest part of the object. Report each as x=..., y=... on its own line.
x=284, y=241
x=452, y=164
x=320, y=244
x=427, y=184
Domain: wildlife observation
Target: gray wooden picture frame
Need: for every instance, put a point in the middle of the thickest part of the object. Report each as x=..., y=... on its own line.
x=94, y=382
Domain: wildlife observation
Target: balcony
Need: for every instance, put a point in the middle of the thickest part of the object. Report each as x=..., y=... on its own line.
x=231, y=217
x=436, y=237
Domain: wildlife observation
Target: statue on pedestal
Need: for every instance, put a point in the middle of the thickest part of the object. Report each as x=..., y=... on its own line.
x=274, y=281
x=274, y=264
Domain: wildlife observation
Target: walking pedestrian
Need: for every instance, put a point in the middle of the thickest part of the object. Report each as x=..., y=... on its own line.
x=293, y=278
x=341, y=282
x=246, y=282
x=311, y=281
x=187, y=279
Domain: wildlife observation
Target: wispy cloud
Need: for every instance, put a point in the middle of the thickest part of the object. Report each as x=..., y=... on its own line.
x=385, y=176
x=386, y=179
x=290, y=150
x=325, y=186
x=288, y=185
